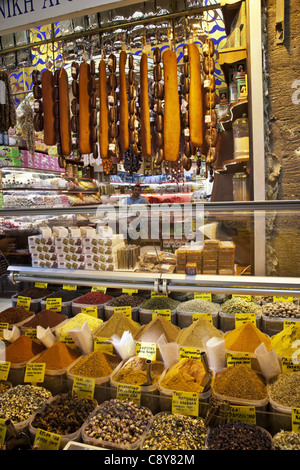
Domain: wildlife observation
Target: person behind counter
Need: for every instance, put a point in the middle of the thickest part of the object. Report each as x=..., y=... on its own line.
x=135, y=197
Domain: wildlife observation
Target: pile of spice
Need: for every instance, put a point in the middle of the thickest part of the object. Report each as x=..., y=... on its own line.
x=187, y=375
x=283, y=342
x=96, y=364
x=156, y=328
x=65, y=415
x=119, y=422
x=117, y=324
x=240, y=381
x=176, y=432
x=13, y=315
x=198, y=306
x=285, y=389
x=22, y=350
x=246, y=338
x=46, y=319
x=35, y=292
x=21, y=401
x=93, y=298
x=134, y=371
x=282, y=309
x=237, y=435
x=160, y=303
x=198, y=333
x=240, y=305
x=65, y=295
x=4, y=386
x=58, y=356
x=78, y=321
x=286, y=440
x=126, y=300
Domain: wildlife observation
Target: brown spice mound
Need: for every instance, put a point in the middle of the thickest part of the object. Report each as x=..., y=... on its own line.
x=58, y=356
x=45, y=318
x=96, y=364
x=186, y=376
x=14, y=315
x=240, y=382
x=22, y=350
x=134, y=371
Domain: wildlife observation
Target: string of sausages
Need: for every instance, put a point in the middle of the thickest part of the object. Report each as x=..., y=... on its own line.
x=185, y=121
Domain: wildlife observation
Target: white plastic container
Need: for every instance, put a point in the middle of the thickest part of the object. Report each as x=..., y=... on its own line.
x=185, y=319
x=273, y=325
x=145, y=316
x=64, y=438
x=66, y=307
x=76, y=308
x=108, y=444
x=149, y=393
x=166, y=398
x=35, y=304
x=227, y=321
x=109, y=311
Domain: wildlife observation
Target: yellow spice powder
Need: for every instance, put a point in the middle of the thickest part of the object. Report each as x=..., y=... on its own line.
x=246, y=338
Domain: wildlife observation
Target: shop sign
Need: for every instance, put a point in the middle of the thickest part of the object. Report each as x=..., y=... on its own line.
x=23, y=14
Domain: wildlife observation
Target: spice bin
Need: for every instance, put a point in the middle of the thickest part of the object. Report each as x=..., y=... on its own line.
x=274, y=314
x=149, y=393
x=145, y=316
x=238, y=435
x=66, y=305
x=64, y=438
x=115, y=432
x=91, y=299
x=227, y=321
x=102, y=391
x=35, y=304
x=187, y=310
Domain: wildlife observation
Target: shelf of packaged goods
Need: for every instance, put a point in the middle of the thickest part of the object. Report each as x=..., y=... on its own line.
x=160, y=283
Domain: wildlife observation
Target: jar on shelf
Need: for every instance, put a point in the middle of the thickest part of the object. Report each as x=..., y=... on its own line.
x=241, y=137
x=241, y=186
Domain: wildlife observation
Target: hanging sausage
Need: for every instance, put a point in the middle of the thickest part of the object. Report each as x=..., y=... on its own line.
x=104, y=119
x=38, y=119
x=158, y=106
x=144, y=108
x=47, y=95
x=210, y=117
x=195, y=96
x=185, y=98
x=65, y=138
x=113, y=146
x=124, y=113
x=84, y=99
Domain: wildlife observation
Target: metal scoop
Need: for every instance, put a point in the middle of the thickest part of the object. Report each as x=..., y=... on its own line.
x=149, y=380
x=17, y=440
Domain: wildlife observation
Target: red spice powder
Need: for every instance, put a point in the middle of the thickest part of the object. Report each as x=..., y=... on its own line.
x=22, y=350
x=93, y=298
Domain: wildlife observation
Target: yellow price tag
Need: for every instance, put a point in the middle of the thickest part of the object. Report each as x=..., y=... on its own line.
x=246, y=414
x=2, y=430
x=41, y=285
x=291, y=364
x=3, y=326
x=67, y=339
x=129, y=392
x=146, y=350
x=93, y=311
x=84, y=386
x=125, y=310
x=235, y=359
x=69, y=287
x=45, y=440
x=241, y=318
x=153, y=294
x=23, y=302
x=130, y=291
x=282, y=298
x=99, y=289
x=196, y=316
x=166, y=313
x=185, y=403
x=53, y=304
x=35, y=372
x=202, y=296
x=4, y=370
x=103, y=344
x=192, y=353
x=242, y=296
x=296, y=420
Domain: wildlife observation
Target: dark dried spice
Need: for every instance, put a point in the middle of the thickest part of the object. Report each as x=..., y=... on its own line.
x=237, y=435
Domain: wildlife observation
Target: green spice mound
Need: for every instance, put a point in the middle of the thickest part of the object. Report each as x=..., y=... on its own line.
x=240, y=382
x=285, y=389
x=159, y=303
x=199, y=306
x=240, y=305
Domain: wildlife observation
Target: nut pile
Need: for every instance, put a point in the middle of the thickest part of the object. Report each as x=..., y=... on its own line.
x=286, y=440
x=21, y=401
x=237, y=435
x=64, y=415
x=176, y=432
x=282, y=309
x=118, y=422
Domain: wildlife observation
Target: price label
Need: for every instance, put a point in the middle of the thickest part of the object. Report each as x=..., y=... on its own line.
x=41, y=285
x=296, y=420
x=23, y=302
x=67, y=339
x=246, y=414
x=185, y=403
x=196, y=316
x=69, y=287
x=53, y=304
x=103, y=344
x=242, y=296
x=202, y=296
x=238, y=358
x=241, y=318
x=84, y=386
x=146, y=350
x=291, y=364
x=166, y=313
x=93, y=311
x=282, y=298
x=191, y=353
x=129, y=392
x=2, y=430
x=153, y=294
x=130, y=291
x=45, y=440
x=99, y=289
x=3, y=326
x=31, y=333
x=125, y=310
x=35, y=372
x=4, y=370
